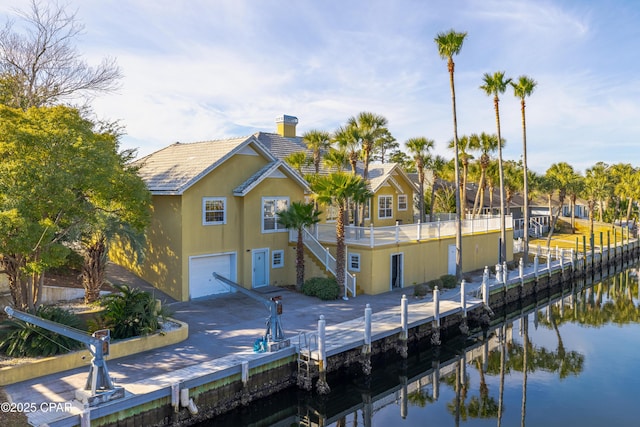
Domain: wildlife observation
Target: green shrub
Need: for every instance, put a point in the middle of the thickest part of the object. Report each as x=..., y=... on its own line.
x=448, y=281
x=21, y=339
x=420, y=290
x=435, y=282
x=129, y=313
x=324, y=288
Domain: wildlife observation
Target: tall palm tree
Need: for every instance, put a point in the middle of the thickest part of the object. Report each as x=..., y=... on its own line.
x=297, y=216
x=522, y=88
x=436, y=164
x=370, y=128
x=449, y=44
x=318, y=142
x=495, y=84
x=419, y=148
x=337, y=189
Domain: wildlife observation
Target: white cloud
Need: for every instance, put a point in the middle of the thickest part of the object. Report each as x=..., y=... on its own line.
x=204, y=70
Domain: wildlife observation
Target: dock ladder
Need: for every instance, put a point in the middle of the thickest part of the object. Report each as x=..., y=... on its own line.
x=307, y=360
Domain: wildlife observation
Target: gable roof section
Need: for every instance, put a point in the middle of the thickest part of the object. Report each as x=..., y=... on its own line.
x=271, y=169
x=381, y=174
x=173, y=169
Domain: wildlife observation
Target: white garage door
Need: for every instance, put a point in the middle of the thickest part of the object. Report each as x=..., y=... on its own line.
x=201, y=269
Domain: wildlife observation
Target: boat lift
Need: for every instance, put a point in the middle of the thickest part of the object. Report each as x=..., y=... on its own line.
x=99, y=387
x=274, y=336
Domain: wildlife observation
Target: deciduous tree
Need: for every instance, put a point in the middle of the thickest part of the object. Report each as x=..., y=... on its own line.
x=40, y=64
x=59, y=172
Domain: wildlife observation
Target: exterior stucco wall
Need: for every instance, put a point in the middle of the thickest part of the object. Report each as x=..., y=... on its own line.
x=162, y=265
x=423, y=261
x=199, y=239
x=254, y=238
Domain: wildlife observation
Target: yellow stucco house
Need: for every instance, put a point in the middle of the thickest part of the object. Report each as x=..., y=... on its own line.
x=215, y=207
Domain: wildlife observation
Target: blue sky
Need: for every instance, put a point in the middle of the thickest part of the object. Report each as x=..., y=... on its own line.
x=197, y=70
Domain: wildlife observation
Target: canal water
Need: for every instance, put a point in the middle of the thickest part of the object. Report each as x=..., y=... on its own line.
x=572, y=360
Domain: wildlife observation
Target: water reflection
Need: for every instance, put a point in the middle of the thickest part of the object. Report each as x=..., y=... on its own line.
x=475, y=381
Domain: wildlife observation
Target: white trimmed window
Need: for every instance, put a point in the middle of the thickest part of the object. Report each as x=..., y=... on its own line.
x=270, y=208
x=214, y=210
x=277, y=259
x=402, y=202
x=354, y=262
x=385, y=207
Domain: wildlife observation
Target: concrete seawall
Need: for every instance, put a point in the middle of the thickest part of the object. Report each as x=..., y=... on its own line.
x=220, y=385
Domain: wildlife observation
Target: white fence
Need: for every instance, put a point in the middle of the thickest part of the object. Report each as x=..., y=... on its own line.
x=379, y=236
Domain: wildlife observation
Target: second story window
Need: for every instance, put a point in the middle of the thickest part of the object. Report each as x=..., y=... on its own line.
x=385, y=207
x=402, y=202
x=214, y=210
x=270, y=208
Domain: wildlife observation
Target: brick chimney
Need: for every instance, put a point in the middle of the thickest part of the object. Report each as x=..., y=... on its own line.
x=286, y=126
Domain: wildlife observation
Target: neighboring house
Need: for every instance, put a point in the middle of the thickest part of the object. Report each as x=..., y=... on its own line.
x=214, y=209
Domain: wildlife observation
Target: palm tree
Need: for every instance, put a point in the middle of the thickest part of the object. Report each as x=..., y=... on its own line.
x=487, y=144
x=493, y=179
x=335, y=160
x=596, y=188
x=348, y=140
x=436, y=164
x=523, y=88
x=337, y=189
x=370, y=128
x=494, y=85
x=512, y=182
x=297, y=160
x=466, y=144
x=318, y=142
x=625, y=186
x=449, y=44
x=560, y=175
x=420, y=147
x=95, y=241
x=298, y=216
x=574, y=188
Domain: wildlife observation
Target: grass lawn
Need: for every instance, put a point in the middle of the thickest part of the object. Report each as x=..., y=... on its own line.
x=564, y=238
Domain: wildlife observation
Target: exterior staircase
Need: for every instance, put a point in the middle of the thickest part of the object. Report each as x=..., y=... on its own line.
x=322, y=255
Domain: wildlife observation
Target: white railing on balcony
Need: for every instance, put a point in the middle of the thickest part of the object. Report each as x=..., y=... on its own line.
x=323, y=255
x=379, y=236
x=538, y=225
